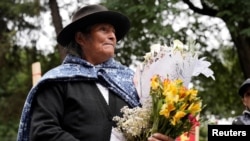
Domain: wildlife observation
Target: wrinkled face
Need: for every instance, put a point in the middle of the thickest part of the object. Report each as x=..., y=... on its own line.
x=99, y=44
x=246, y=98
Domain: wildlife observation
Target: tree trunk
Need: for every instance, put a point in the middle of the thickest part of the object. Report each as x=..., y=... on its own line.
x=57, y=22
x=241, y=42
x=243, y=49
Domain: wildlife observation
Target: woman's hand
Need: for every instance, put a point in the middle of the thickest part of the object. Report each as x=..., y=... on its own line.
x=160, y=137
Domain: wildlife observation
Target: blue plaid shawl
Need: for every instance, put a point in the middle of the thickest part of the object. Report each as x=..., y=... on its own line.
x=112, y=74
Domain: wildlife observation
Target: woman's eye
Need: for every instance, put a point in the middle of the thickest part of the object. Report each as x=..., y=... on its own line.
x=247, y=94
x=107, y=29
x=103, y=28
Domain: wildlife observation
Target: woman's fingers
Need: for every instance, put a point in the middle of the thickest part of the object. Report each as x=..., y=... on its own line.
x=160, y=137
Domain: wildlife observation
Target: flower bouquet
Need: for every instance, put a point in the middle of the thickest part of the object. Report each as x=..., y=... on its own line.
x=169, y=106
x=174, y=107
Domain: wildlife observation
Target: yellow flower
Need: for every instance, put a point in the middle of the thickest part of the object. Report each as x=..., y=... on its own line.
x=192, y=93
x=195, y=107
x=170, y=89
x=166, y=109
x=183, y=106
x=178, y=82
x=171, y=97
x=166, y=82
x=177, y=117
x=166, y=85
x=183, y=92
x=154, y=82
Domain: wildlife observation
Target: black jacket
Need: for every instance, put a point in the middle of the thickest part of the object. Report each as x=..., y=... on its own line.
x=243, y=119
x=73, y=111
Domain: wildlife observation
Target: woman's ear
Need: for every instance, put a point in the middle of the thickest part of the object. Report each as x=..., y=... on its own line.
x=79, y=37
x=243, y=101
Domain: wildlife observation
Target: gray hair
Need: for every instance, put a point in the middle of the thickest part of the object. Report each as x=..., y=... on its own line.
x=74, y=48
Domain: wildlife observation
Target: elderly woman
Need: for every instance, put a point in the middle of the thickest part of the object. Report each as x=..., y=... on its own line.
x=77, y=100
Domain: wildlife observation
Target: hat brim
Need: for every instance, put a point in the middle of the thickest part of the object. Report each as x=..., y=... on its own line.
x=120, y=22
x=243, y=89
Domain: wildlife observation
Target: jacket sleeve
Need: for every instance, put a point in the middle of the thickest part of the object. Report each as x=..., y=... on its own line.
x=47, y=114
x=238, y=121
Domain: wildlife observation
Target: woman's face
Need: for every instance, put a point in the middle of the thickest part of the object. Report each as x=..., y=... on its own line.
x=99, y=45
x=246, y=98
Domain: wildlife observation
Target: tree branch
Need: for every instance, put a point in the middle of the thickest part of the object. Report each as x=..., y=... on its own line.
x=206, y=10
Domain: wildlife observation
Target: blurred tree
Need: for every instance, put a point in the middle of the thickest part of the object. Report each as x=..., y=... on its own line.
x=16, y=59
x=235, y=14
x=154, y=22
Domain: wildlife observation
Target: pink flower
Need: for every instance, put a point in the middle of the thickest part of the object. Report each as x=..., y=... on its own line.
x=193, y=120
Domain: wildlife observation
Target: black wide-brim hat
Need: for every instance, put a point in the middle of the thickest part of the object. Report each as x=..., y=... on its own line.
x=90, y=15
x=244, y=87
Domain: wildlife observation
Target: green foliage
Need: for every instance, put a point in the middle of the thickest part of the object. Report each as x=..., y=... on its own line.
x=221, y=96
x=16, y=81
x=147, y=18
x=15, y=13
x=235, y=13
x=146, y=27
x=8, y=130
x=15, y=63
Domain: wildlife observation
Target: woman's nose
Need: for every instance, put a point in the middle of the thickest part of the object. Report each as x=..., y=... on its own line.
x=112, y=36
